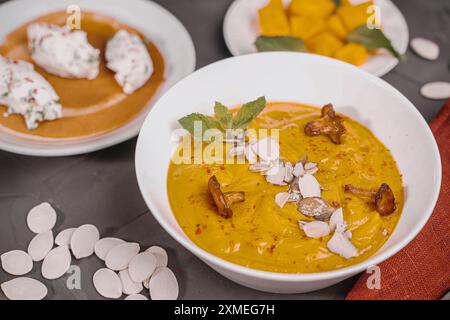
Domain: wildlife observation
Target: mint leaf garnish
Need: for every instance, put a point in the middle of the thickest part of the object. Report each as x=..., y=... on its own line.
x=188, y=123
x=224, y=119
x=372, y=39
x=248, y=112
x=223, y=116
x=279, y=43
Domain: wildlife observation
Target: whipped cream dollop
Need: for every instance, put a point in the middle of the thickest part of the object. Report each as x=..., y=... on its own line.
x=127, y=55
x=24, y=91
x=63, y=52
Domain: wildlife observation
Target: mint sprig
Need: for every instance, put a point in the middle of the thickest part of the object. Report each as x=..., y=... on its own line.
x=279, y=43
x=223, y=118
x=372, y=39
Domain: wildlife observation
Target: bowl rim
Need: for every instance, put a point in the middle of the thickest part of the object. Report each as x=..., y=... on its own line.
x=295, y=277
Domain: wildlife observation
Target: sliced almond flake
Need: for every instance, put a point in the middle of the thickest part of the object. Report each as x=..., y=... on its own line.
x=336, y=217
x=267, y=149
x=260, y=166
x=315, y=229
x=310, y=165
x=341, y=227
x=250, y=154
x=341, y=245
x=236, y=151
x=312, y=170
x=348, y=234
x=298, y=169
x=309, y=186
x=274, y=168
x=384, y=232
x=288, y=177
x=277, y=178
x=281, y=198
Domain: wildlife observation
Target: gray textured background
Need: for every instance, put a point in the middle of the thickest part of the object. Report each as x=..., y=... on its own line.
x=100, y=187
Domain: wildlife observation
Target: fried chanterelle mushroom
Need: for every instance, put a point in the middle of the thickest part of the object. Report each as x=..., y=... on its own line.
x=223, y=200
x=383, y=200
x=330, y=125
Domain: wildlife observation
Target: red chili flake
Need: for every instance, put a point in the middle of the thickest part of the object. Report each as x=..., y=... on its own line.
x=271, y=248
x=198, y=231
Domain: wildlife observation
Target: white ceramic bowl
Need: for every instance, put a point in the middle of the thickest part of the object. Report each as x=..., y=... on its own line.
x=303, y=78
x=241, y=27
x=152, y=20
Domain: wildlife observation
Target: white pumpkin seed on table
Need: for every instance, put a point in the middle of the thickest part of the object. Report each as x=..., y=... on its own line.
x=136, y=296
x=63, y=238
x=107, y=283
x=41, y=218
x=425, y=48
x=56, y=263
x=16, y=262
x=438, y=90
x=40, y=245
x=129, y=286
x=104, y=245
x=135, y=270
x=142, y=266
x=24, y=288
x=120, y=256
x=83, y=241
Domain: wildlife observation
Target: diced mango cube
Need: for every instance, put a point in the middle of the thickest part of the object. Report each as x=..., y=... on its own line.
x=305, y=27
x=354, y=16
x=353, y=53
x=311, y=8
x=336, y=26
x=325, y=44
x=273, y=19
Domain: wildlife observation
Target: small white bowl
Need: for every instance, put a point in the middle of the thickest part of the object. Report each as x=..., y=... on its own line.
x=311, y=79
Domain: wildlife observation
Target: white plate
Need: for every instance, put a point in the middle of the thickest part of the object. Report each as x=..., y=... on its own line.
x=152, y=20
x=241, y=27
x=296, y=77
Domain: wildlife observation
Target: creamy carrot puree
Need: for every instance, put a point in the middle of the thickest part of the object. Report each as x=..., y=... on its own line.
x=262, y=235
x=90, y=107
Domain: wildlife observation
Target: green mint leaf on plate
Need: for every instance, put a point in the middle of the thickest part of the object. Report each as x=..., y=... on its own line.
x=279, y=43
x=223, y=116
x=190, y=121
x=248, y=112
x=372, y=39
